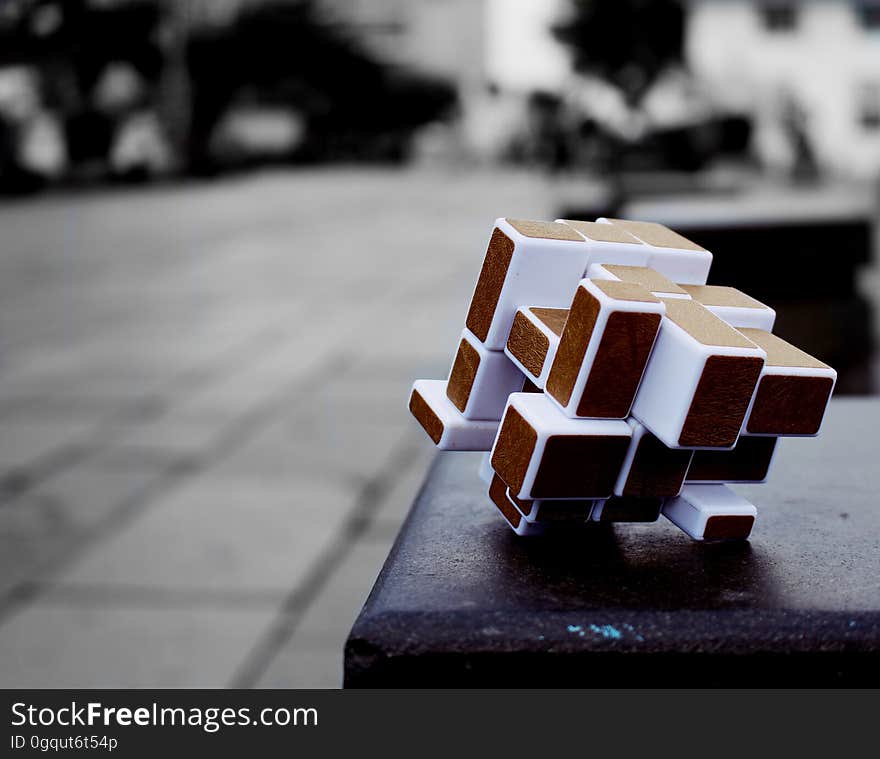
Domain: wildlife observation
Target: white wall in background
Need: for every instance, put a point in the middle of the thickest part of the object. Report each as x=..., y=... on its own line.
x=829, y=62
x=522, y=54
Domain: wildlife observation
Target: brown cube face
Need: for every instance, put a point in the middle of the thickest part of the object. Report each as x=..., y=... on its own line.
x=545, y=230
x=725, y=387
x=528, y=344
x=720, y=295
x=573, y=345
x=656, y=471
x=571, y=466
x=788, y=403
x=593, y=230
x=526, y=340
x=656, y=234
x=529, y=386
x=729, y=527
x=564, y=512
x=425, y=416
x=554, y=511
x=498, y=496
x=620, y=359
x=651, y=280
x=720, y=402
x=748, y=462
x=575, y=466
x=490, y=283
x=461, y=378
x=627, y=509
x=703, y=326
x=513, y=449
x=496, y=264
x=553, y=318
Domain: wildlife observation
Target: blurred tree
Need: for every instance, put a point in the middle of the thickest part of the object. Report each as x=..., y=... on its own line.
x=634, y=45
x=289, y=54
x=626, y=42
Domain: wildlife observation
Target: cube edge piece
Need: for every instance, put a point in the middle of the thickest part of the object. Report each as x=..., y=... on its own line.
x=443, y=422
x=695, y=509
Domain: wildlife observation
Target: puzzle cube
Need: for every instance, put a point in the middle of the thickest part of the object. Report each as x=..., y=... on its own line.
x=533, y=340
x=735, y=307
x=603, y=348
x=637, y=390
x=650, y=469
x=527, y=263
x=793, y=391
x=610, y=244
x=480, y=380
x=627, y=509
x=543, y=454
x=653, y=281
x=699, y=380
x=444, y=423
x=672, y=254
x=711, y=512
x=749, y=462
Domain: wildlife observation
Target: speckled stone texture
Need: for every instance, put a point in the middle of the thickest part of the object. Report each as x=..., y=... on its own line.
x=462, y=601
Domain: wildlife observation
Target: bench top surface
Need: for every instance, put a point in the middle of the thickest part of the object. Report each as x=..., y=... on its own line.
x=458, y=578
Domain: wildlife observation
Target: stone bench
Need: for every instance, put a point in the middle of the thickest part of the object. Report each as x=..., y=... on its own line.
x=463, y=602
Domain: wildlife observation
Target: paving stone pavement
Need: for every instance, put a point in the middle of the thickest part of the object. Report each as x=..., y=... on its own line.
x=205, y=452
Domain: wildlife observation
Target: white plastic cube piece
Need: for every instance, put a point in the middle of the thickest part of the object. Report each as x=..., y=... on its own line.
x=609, y=244
x=627, y=509
x=485, y=470
x=444, y=423
x=533, y=340
x=749, y=462
x=604, y=348
x=711, y=512
x=734, y=306
x=570, y=513
x=793, y=391
x=480, y=380
x=651, y=469
x=699, y=379
x=527, y=263
x=672, y=254
x=514, y=518
x=653, y=281
x=543, y=454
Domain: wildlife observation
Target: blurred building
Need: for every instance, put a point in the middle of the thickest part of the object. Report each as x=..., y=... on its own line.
x=440, y=37
x=812, y=66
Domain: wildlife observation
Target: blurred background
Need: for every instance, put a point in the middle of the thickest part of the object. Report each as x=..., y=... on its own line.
x=232, y=232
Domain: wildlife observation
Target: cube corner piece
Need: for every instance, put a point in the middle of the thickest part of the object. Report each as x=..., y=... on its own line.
x=699, y=380
x=793, y=391
x=533, y=341
x=604, y=348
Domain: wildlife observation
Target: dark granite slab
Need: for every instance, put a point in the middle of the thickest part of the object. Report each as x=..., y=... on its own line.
x=463, y=601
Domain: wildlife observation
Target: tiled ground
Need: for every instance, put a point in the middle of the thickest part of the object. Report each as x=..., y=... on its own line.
x=205, y=452
x=204, y=447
